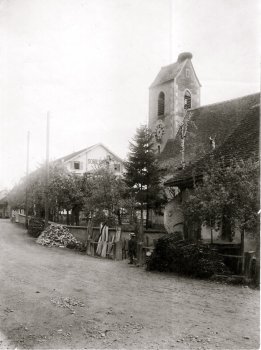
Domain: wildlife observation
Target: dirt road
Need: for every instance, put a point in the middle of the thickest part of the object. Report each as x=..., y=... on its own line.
x=53, y=298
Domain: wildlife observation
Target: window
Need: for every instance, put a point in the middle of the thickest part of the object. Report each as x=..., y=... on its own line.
x=187, y=73
x=187, y=100
x=158, y=148
x=161, y=103
x=76, y=165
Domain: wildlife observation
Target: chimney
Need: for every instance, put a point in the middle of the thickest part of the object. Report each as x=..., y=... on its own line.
x=183, y=56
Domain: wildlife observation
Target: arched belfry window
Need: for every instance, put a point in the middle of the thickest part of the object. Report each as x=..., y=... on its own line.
x=161, y=103
x=187, y=100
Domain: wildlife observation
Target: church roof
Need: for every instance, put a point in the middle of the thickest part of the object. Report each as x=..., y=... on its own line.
x=239, y=142
x=217, y=120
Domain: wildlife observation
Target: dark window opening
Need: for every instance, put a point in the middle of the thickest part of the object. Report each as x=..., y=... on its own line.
x=161, y=103
x=187, y=100
x=158, y=148
x=76, y=165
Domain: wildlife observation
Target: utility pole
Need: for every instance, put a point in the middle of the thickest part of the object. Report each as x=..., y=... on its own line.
x=46, y=206
x=27, y=171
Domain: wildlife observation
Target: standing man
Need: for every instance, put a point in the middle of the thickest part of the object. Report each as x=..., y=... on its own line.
x=132, y=248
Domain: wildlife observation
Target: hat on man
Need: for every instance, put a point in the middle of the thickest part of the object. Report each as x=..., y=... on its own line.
x=132, y=234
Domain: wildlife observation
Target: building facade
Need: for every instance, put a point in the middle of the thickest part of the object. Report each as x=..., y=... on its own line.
x=175, y=90
x=89, y=159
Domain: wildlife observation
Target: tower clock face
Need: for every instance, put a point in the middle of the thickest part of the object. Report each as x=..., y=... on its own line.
x=159, y=131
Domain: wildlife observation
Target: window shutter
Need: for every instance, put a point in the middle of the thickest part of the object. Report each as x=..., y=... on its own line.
x=81, y=165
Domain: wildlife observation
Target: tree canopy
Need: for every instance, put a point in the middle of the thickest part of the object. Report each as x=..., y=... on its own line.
x=228, y=194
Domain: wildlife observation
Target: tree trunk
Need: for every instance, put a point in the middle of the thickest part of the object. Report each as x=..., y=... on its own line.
x=183, y=152
x=141, y=237
x=147, y=216
x=75, y=216
x=67, y=217
x=119, y=217
x=211, y=232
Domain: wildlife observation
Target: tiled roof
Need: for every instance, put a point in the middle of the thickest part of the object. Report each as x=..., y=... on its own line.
x=242, y=143
x=217, y=120
x=167, y=73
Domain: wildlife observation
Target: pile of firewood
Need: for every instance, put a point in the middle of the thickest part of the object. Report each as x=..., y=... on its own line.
x=58, y=236
x=187, y=258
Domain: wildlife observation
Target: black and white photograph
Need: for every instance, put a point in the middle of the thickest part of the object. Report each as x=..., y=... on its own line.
x=130, y=174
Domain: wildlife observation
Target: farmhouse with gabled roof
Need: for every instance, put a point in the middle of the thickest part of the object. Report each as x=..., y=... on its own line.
x=88, y=159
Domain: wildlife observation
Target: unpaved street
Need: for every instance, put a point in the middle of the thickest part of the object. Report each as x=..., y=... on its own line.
x=60, y=299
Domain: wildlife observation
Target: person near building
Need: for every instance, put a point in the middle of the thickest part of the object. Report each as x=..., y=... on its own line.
x=132, y=248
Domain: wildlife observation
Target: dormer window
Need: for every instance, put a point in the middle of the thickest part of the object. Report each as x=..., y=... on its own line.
x=161, y=104
x=187, y=100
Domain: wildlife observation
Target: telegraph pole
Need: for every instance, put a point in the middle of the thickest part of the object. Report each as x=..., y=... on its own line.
x=46, y=206
x=27, y=172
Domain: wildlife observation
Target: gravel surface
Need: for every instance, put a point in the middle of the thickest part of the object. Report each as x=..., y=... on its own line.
x=53, y=298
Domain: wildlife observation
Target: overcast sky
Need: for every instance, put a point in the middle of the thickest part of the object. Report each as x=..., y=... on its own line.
x=90, y=63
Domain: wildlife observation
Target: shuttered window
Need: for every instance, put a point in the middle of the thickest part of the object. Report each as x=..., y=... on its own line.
x=161, y=103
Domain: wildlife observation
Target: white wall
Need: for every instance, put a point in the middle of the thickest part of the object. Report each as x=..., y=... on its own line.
x=173, y=215
x=90, y=160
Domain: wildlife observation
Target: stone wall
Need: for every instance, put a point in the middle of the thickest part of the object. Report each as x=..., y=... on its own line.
x=173, y=216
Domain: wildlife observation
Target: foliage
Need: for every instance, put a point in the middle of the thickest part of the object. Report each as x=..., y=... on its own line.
x=173, y=254
x=228, y=192
x=64, y=191
x=142, y=172
x=36, y=226
x=106, y=197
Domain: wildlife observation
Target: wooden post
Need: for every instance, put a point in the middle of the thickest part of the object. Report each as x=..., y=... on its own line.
x=141, y=237
x=27, y=171
x=46, y=201
x=242, y=249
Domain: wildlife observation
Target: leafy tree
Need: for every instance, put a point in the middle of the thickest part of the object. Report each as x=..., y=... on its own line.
x=228, y=194
x=65, y=191
x=106, y=197
x=142, y=172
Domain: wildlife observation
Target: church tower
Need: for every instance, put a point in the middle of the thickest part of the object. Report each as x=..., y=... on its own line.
x=175, y=89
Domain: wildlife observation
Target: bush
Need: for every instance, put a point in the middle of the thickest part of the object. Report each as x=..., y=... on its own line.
x=174, y=254
x=35, y=226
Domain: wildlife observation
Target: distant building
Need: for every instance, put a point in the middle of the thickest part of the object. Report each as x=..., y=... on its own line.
x=4, y=207
x=89, y=159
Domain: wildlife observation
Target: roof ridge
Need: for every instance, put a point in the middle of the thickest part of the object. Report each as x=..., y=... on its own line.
x=225, y=101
